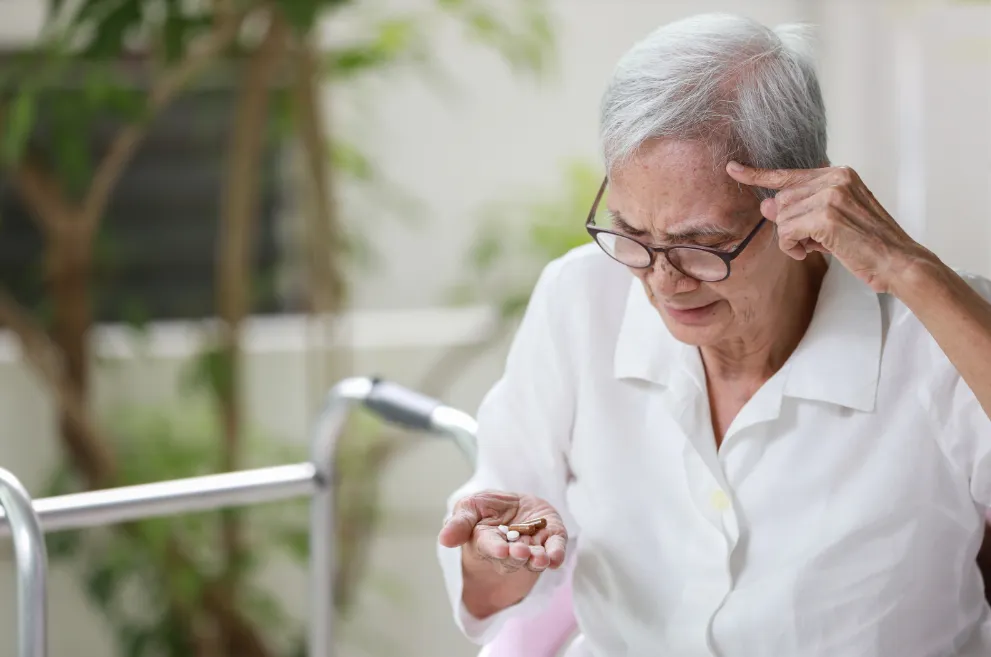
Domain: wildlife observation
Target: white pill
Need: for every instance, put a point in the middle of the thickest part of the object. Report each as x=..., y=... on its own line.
x=504, y=529
x=513, y=535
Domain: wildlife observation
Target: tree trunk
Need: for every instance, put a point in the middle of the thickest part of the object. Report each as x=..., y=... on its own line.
x=234, y=276
x=69, y=269
x=322, y=237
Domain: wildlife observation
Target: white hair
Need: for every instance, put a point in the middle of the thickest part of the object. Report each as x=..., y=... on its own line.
x=748, y=91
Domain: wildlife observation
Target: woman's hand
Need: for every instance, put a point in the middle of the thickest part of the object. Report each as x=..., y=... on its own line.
x=832, y=211
x=474, y=524
x=499, y=573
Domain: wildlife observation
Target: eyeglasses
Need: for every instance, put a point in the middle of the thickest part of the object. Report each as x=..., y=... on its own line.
x=702, y=263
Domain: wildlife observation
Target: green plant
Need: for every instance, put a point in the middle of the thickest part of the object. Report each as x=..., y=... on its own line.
x=517, y=238
x=199, y=600
x=121, y=572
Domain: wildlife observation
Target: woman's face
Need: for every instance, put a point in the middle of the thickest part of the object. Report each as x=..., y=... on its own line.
x=674, y=192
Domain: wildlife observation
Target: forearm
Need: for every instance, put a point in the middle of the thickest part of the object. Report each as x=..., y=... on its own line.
x=488, y=591
x=957, y=317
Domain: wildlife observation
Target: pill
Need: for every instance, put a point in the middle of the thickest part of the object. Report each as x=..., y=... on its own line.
x=530, y=527
x=513, y=535
x=504, y=529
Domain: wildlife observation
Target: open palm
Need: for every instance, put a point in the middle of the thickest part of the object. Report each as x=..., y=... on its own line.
x=474, y=524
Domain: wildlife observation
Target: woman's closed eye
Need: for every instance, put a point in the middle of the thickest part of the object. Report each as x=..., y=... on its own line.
x=706, y=236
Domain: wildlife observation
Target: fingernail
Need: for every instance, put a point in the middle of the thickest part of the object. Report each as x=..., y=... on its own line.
x=735, y=166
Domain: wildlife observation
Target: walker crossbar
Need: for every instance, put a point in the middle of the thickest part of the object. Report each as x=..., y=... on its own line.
x=117, y=505
x=107, y=507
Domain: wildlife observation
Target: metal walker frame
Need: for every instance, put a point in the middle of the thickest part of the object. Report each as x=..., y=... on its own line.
x=26, y=522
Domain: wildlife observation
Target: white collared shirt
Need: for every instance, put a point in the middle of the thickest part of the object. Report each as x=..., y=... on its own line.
x=840, y=517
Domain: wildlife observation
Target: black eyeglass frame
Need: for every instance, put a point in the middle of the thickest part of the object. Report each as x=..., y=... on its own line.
x=652, y=251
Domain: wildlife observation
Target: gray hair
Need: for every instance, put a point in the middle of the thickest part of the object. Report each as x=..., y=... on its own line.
x=748, y=91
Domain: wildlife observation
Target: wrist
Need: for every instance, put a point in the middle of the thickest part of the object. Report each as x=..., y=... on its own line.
x=487, y=589
x=914, y=273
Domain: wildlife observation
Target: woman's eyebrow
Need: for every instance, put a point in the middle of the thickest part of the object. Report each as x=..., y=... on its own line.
x=688, y=234
x=620, y=223
x=703, y=231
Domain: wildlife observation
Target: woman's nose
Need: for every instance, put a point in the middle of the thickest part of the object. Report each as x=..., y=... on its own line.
x=666, y=281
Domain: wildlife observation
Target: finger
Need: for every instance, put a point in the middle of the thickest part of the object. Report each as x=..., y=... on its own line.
x=830, y=197
x=793, y=249
x=519, y=552
x=798, y=236
x=792, y=239
x=556, y=545
x=769, y=209
x=795, y=195
x=459, y=526
x=491, y=544
x=770, y=178
x=538, y=558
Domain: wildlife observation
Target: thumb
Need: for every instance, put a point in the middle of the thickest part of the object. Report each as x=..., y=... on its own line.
x=460, y=525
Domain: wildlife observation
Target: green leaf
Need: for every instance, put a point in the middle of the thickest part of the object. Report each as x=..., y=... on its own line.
x=488, y=248
x=173, y=32
x=91, y=9
x=394, y=41
x=296, y=543
x=282, y=114
x=102, y=582
x=72, y=154
x=108, y=38
x=62, y=481
x=128, y=103
x=63, y=545
x=19, y=125
x=302, y=14
x=136, y=640
x=300, y=647
x=348, y=159
x=213, y=370
x=264, y=607
x=54, y=8
x=512, y=306
x=187, y=585
x=135, y=313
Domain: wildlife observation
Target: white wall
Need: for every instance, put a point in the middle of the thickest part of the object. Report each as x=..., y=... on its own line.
x=500, y=136
x=497, y=136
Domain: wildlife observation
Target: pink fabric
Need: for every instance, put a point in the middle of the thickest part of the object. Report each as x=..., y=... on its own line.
x=538, y=636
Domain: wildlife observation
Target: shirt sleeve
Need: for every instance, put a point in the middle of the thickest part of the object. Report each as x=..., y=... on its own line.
x=524, y=428
x=967, y=428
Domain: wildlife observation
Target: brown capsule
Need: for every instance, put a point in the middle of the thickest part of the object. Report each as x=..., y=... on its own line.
x=530, y=527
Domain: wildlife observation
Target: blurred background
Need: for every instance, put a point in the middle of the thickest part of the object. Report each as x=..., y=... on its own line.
x=212, y=210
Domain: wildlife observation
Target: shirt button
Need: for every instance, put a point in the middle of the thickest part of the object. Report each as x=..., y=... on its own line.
x=719, y=500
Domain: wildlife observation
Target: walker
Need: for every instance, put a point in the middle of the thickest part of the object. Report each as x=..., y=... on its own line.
x=27, y=522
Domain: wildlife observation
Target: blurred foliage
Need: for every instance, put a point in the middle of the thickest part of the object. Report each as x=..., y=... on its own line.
x=97, y=56
x=123, y=573
x=517, y=238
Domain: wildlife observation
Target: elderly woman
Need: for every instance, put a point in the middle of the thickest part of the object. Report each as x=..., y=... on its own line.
x=755, y=411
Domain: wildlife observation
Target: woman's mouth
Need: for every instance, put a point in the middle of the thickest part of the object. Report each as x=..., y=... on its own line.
x=690, y=315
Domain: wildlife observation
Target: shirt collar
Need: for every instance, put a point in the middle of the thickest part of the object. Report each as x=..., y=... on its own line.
x=837, y=361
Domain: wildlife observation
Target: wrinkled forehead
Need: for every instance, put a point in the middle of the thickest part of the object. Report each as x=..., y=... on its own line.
x=673, y=186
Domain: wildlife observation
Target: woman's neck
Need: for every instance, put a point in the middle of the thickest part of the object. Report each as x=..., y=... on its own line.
x=775, y=333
